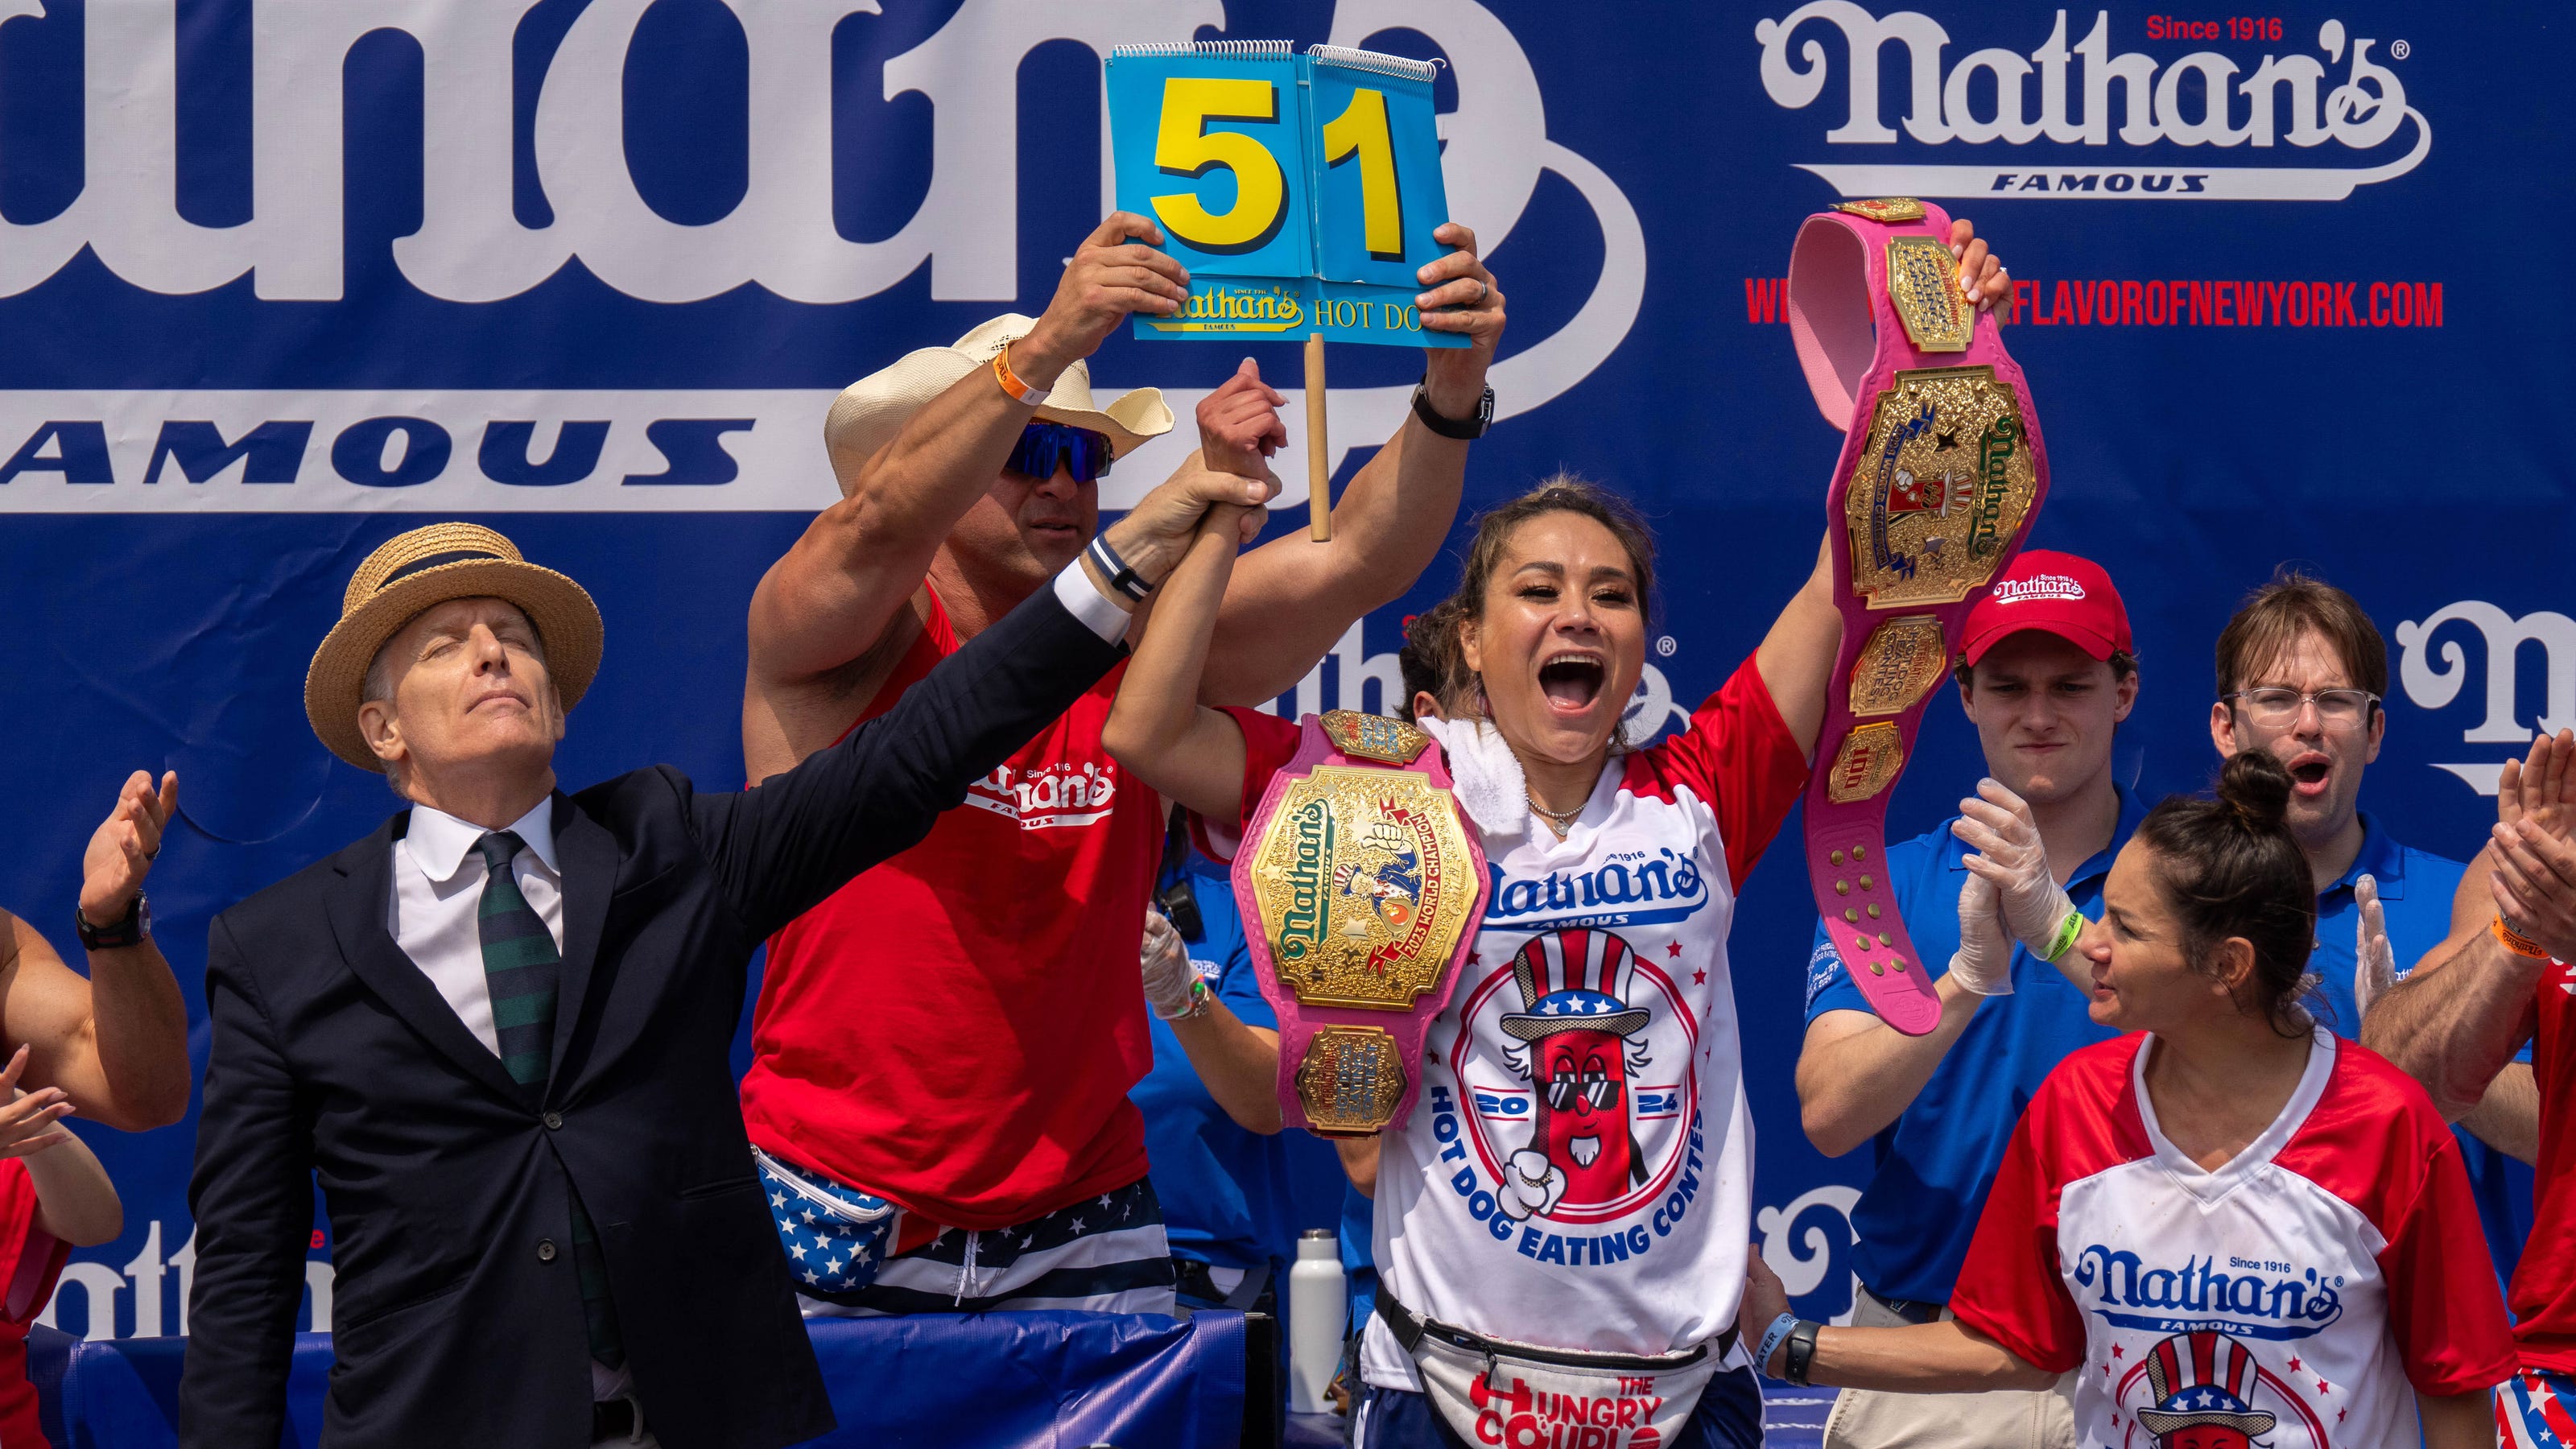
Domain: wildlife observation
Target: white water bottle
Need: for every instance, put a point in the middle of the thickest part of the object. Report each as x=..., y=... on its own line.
x=1318, y=1303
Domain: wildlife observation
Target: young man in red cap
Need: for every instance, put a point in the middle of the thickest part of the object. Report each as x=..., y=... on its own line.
x=2046, y=673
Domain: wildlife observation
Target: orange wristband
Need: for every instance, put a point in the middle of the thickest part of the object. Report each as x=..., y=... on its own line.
x=2518, y=943
x=1010, y=380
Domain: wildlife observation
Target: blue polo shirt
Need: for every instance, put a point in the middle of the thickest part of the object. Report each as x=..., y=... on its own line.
x=2415, y=892
x=1931, y=1167
x=1225, y=1191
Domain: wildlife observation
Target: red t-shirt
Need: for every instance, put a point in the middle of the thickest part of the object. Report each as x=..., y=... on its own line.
x=2544, y=1285
x=956, y=1030
x=33, y=1259
x=2312, y=1284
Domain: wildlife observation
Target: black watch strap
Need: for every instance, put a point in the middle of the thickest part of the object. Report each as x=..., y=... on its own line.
x=1464, y=430
x=125, y=931
x=1799, y=1354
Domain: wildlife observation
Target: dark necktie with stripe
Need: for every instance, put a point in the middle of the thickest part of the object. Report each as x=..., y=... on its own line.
x=521, y=967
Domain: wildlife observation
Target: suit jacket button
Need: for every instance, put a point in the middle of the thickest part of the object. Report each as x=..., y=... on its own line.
x=545, y=1250
x=553, y=1121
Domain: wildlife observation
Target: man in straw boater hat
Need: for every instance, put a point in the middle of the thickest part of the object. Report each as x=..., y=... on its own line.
x=943, y=1049
x=496, y=1029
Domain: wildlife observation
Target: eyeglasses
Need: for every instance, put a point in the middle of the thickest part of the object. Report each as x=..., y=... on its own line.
x=2275, y=705
x=1600, y=1091
x=1043, y=446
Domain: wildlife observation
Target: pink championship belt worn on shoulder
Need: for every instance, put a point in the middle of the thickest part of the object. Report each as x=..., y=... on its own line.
x=1942, y=471
x=1360, y=883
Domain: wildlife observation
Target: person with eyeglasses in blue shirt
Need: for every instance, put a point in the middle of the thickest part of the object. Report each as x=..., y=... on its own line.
x=2302, y=672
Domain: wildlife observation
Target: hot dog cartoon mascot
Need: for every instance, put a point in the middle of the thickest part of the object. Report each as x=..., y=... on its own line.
x=1582, y=1045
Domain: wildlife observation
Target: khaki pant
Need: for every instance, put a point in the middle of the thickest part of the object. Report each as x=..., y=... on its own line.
x=2004, y=1419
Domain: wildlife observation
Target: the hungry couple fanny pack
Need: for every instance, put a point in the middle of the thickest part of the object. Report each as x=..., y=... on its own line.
x=836, y=1237
x=1496, y=1391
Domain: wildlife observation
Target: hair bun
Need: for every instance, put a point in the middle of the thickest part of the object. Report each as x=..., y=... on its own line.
x=2256, y=787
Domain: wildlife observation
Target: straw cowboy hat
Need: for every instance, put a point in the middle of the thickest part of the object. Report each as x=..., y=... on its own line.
x=869, y=412
x=428, y=566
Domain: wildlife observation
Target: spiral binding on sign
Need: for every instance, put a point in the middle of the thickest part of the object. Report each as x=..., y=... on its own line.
x=1206, y=47
x=1394, y=65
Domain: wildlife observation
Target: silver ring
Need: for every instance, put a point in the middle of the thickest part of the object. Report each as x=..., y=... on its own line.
x=1484, y=289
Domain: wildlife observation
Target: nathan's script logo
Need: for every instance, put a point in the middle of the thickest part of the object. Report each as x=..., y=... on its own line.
x=1049, y=796
x=2433, y=685
x=1310, y=858
x=2263, y=1300
x=1634, y=888
x=2064, y=94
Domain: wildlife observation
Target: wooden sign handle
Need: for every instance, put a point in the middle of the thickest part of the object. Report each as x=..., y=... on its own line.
x=1319, y=450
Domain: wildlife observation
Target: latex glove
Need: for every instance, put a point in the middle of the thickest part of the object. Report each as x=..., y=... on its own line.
x=1983, y=963
x=1166, y=964
x=1998, y=826
x=2374, y=960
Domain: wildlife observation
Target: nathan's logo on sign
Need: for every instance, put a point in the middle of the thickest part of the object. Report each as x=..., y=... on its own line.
x=2432, y=685
x=2065, y=94
x=2252, y=1299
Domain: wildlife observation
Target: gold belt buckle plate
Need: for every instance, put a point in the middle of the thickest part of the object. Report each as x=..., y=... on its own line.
x=1350, y=1080
x=1942, y=486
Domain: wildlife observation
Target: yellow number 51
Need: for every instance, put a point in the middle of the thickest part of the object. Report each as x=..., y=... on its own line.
x=1184, y=146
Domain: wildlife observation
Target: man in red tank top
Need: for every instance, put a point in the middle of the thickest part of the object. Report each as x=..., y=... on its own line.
x=2505, y=979
x=942, y=1050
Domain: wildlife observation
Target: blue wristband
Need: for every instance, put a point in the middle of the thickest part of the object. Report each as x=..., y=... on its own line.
x=1779, y=1330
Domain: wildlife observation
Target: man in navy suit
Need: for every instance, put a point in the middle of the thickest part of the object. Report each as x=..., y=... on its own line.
x=496, y=1029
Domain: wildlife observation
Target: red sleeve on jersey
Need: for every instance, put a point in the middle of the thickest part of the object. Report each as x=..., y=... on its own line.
x=1739, y=756
x=2443, y=1306
x=2375, y=1140
x=34, y=1257
x=1269, y=743
x=2009, y=1288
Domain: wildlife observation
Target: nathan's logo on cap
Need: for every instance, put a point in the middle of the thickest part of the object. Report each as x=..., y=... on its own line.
x=2037, y=586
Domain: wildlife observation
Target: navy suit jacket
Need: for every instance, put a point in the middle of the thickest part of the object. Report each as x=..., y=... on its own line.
x=457, y=1312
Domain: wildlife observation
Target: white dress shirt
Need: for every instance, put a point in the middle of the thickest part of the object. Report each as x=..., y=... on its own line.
x=438, y=889
x=438, y=892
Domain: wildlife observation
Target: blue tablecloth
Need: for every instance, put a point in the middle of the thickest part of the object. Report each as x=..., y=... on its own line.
x=1006, y=1380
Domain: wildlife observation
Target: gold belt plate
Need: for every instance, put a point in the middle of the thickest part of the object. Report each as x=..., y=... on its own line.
x=1350, y=1079
x=1903, y=659
x=1890, y=210
x=1922, y=282
x=1362, y=881
x=1945, y=481
x=1867, y=763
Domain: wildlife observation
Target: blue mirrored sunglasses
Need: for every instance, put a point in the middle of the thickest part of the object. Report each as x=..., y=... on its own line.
x=1044, y=446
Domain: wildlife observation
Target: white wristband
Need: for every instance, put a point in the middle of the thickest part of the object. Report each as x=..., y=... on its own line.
x=1085, y=600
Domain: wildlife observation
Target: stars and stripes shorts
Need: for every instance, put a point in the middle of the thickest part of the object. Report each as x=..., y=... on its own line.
x=1105, y=1254
x=2536, y=1409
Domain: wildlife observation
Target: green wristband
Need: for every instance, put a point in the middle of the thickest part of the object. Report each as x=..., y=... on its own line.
x=2067, y=931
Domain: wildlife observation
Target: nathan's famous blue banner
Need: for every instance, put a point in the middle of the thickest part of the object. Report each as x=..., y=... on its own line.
x=279, y=280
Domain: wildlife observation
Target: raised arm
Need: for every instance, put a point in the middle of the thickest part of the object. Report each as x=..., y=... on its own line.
x=1797, y=656
x=830, y=599
x=1293, y=597
x=1182, y=749
x=252, y=1197
x=2457, y=1035
x=783, y=845
x=116, y=1041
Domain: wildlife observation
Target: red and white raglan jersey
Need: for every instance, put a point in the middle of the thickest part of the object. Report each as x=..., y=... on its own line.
x=1627, y=1232
x=2544, y=1285
x=2299, y=1295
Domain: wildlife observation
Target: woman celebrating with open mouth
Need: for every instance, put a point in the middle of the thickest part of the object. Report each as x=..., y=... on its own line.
x=2236, y=1226
x=1561, y=1224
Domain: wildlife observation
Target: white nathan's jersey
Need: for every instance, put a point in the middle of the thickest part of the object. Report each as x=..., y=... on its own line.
x=1578, y=1170
x=2298, y=1296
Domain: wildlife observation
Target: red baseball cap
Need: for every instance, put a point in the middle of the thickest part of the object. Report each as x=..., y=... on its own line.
x=2058, y=594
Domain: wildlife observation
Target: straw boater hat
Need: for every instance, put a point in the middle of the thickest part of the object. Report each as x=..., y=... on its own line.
x=426, y=567
x=869, y=412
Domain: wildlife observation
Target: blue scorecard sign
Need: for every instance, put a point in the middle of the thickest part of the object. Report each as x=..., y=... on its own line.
x=1300, y=190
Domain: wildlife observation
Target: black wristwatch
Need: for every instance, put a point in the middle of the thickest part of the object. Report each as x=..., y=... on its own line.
x=1465, y=431
x=1799, y=1354
x=131, y=929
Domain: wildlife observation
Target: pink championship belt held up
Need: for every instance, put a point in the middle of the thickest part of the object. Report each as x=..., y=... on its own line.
x=1941, y=473
x=1360, y=884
